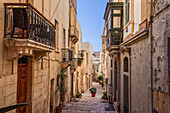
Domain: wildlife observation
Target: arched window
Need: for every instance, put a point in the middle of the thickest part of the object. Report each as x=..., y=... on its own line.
x=125, y=64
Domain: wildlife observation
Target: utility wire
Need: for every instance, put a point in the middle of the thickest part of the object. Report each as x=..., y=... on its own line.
x=55, y=10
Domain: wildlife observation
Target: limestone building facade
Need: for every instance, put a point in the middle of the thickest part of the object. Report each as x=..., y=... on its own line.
x=127, y=33
x=88, y=71
x=35, y=45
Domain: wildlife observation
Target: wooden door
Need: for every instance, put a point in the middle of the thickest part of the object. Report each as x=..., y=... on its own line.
x=126, y=94
x=22, y=86
x=72, y=84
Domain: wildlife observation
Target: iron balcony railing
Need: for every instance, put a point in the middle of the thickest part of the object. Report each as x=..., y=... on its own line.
x=113, y=37
x=67, y=55
x=24, y=21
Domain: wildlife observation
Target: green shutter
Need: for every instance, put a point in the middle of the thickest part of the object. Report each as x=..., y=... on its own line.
x=127, y=11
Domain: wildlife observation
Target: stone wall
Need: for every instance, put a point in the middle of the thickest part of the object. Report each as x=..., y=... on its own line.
x=42, y=71
x=161, y=33
x=161, y=102
x=138, y=76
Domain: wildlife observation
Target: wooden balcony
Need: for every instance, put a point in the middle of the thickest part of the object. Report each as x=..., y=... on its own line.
x=114, y=19
x=74, y=34
x=27, y=26
x=67, y=57
x=113, y=39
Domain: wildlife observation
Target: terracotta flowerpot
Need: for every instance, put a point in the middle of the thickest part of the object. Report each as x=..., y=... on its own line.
x=58, y=109
x=106, y=98
x=98, y=81
x=93, y=94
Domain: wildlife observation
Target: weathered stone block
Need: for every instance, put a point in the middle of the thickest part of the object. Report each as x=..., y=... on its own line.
x=2, y=81
x=10, y=100
x=2, y=102
x=1, y=96
x=37, y=80
x=11, y=79
x=10, y=89
x=37, y=94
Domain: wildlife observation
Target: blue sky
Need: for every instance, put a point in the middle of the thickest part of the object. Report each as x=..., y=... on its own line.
x=90, y=15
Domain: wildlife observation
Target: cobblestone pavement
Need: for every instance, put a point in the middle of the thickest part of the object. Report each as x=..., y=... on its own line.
x=88, y=104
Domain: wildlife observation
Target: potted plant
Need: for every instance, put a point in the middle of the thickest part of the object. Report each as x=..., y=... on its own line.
x=78, y=95
x=93, y=91
x=104, y=96
x=99, y=78
x=61, y=88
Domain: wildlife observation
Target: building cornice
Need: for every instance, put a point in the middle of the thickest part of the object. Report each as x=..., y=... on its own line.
x=136, y=37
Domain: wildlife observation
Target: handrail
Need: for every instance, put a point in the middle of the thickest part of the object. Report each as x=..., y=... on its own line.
x=9, y=108
x=28, y=4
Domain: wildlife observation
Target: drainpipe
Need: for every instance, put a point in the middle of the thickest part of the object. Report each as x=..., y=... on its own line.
x=130, y=80
x=151, y=65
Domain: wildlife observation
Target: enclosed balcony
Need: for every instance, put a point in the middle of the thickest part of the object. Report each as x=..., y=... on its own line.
x=74, y=64
x=67, y=57
x=114, y=24
x=74, y=34
x=27, y=27
x=113, y=38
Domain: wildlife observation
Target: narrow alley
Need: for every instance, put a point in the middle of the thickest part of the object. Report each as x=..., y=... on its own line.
x=89, y=104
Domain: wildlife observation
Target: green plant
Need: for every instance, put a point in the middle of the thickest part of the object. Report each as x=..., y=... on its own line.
x=79, y=61
x=106, y=80
x=78, y=95
x=100, y=77
x=104, y=95
x=93, y=90
x=61, y=88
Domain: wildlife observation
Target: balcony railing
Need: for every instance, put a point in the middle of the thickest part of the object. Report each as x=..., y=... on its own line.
x=74, y=33
x=113, y=37
x=23, y=21
x=67, y=55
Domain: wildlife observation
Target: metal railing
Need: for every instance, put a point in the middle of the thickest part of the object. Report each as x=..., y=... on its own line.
x=24, y=21
x=67, y=55
x=12, y=107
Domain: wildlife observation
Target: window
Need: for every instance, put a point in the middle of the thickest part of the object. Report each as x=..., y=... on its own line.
x=127, y=11
x=116, y=11
x=64, y=37
x=125, y=64
x=57, y=33
x=42, y=62
x=116, y=22
x=58, y=80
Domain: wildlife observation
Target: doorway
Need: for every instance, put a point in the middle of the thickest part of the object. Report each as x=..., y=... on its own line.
x=126, y=94
x=24, y=84
x=72, y=85
x=115, y=81
x=52, y=96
